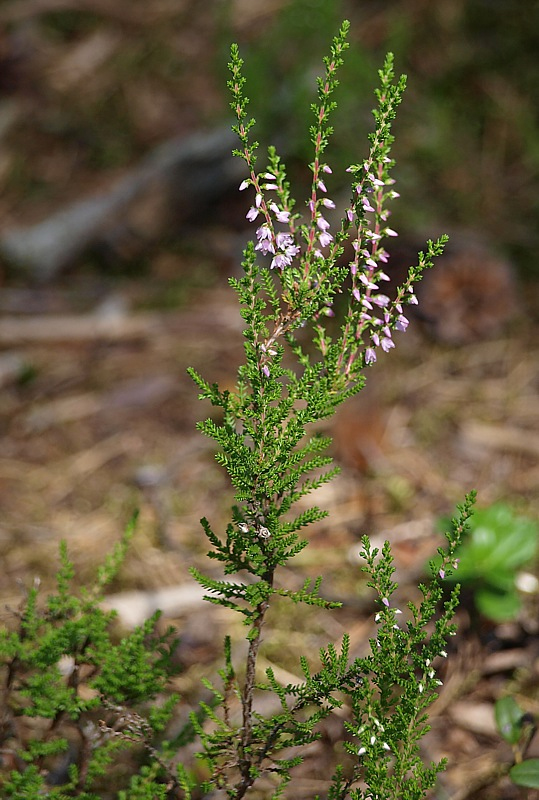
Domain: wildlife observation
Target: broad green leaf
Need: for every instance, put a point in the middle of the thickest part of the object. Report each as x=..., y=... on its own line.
x=508, y=718
x=526, y=773
x=497, y=606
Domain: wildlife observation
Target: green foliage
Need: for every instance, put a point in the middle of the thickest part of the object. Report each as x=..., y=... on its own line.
x=61, y=666
x=499, y=544
x=518, y=730
x=508, y=719
x=526, y=773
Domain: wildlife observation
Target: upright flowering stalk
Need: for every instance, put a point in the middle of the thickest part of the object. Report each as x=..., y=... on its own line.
x=297, y=264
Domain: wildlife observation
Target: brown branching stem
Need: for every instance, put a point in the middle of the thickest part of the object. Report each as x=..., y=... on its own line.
x=246, y=758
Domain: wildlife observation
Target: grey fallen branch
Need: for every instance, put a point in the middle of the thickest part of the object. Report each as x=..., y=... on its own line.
x=188, y=173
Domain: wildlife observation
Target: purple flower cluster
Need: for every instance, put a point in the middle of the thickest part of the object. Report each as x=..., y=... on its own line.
x=367, y=267
x=377, y=316
x=280, y=245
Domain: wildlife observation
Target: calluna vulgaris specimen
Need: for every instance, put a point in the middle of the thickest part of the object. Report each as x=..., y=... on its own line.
x=300, y=364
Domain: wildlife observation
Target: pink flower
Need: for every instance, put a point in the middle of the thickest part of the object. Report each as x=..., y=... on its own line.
x=282, y=216
x=322, y=223
x=244, y=184
x=283, y=240
x=325, y=239
x=322, y=186
x=402, y=323
x=370, y=356
x=280, y=261
x=252, y=214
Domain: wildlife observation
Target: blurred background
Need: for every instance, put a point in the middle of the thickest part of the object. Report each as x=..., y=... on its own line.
x=119, y=224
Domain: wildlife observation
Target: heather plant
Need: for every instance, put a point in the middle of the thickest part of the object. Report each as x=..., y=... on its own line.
x=315, y=319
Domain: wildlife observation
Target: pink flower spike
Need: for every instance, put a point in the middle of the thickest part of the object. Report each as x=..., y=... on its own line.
x=370, y=356
x=252, y=214
x=244, y=184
